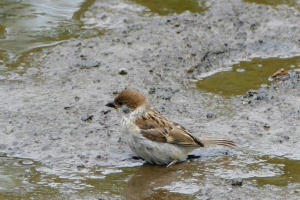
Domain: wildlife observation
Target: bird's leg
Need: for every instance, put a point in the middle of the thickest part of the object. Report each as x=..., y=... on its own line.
x=172, y=163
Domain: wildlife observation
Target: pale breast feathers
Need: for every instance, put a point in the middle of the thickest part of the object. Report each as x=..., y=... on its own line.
x=157, y=128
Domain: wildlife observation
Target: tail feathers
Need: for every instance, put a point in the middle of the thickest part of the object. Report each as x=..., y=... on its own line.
x=217, y=142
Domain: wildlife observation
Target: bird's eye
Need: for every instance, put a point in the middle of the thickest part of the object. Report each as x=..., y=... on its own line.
x=120, y=103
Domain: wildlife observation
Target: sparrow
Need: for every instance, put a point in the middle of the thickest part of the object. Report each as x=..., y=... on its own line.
x=153, y=137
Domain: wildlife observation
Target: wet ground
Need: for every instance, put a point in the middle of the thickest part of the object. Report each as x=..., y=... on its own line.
x=50, y=152
x=183, y=181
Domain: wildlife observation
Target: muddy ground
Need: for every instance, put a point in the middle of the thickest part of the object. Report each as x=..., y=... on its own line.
x=42, y=116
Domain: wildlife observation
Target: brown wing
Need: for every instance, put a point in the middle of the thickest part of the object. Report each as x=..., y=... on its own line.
x=157, y=128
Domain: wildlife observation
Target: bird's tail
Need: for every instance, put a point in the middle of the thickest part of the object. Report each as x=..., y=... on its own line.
x=217, y=142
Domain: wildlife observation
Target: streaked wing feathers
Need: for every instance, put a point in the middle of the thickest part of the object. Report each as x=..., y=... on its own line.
x=157, y=128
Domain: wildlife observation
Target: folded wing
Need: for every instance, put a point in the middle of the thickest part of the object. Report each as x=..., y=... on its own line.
x=157, y=128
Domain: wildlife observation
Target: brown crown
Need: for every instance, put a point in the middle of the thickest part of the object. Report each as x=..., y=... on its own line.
x=131, y=98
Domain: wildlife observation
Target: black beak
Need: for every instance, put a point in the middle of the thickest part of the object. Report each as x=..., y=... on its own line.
x=111, y=105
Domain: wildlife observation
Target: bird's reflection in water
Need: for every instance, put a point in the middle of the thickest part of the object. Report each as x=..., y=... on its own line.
x=146, y=181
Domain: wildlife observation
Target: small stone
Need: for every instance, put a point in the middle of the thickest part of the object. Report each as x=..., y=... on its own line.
x=87, y=118
x=240, y=70
x=244, y=117
x=297, y=71
x=106, y=111
x=246, y=101
x=259, y=65
x=9, y=129
x=98, y=157
x=292, y=66
x=164, y=97
x=250, y=93
x=77, y=98
x=286, y=137
x=68, y=107
x=152, y=90
x=210, y=116
x=261, y=95
x=27, y=162
x=284, y=78
x=237, y=182
x=123, y=71
x=80, y=167
x=266, y=126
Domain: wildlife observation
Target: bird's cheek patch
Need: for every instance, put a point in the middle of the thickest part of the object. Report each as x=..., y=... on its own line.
x=126, y=110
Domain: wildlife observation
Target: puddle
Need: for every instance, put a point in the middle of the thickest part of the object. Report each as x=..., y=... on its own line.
x=275, y=2
x=246, y=75
x=26, y=26
x=26, y=179
x=165, y=7
x=289, y=172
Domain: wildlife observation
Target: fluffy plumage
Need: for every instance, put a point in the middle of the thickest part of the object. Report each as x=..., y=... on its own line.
x=152, y=136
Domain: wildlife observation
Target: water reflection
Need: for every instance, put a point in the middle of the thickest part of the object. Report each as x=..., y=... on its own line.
x=28, y=24
x=25, y=179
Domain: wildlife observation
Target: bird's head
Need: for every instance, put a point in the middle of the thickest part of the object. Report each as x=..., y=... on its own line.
x=128, y=101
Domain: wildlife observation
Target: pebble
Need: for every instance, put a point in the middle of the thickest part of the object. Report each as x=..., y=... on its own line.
x=27, y=162
x=68, y=107
x=237, y=182
x=164, y=97
x=286, y=137
x=246, y=101
x=152, y=90
x=9, y=129
x=259, y=65
x=297, y=71
x=211, y=115
x=106, y=111
x=87, y=118
x=245, y=117
x=266, y=126
x=250, y=93
x=123, y=71
x=261, y=96
x=240, y=70
x=80, y=167
x=284, y=78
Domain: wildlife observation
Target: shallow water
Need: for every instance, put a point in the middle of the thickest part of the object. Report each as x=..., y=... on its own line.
x=295, y=3
x=165, y=7
x=23, y=178
x=246, y=75
x=26, y=26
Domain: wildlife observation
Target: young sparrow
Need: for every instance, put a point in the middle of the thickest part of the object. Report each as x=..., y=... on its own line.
x=153, y=137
